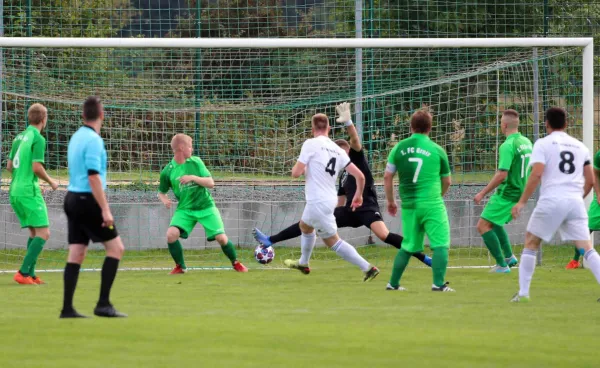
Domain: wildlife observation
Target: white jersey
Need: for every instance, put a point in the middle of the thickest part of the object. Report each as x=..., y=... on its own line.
x=564, y=158
x=324, y=161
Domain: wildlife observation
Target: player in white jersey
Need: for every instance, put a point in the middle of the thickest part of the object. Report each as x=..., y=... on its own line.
x=321, y=161
x=563, y=165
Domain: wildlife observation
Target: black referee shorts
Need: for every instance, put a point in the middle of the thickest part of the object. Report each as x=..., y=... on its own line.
x=85, y=220
x=344, y=217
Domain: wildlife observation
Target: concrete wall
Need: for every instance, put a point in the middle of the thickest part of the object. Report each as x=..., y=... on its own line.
x=143, y=225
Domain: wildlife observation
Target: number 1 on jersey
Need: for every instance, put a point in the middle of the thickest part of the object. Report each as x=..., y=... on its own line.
x=419, y=162
x=524, y=163
x=330, y=168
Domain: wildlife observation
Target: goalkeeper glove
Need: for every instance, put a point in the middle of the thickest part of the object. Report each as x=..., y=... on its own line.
x=344, y=115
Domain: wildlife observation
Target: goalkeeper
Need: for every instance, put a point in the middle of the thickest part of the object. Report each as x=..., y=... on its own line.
x=368, y=214
x=190, y=181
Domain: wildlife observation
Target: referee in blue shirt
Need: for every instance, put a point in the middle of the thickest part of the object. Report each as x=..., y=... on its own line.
x=88, y=214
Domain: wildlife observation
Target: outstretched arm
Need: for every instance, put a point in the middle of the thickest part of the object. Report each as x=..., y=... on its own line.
x=345, y=116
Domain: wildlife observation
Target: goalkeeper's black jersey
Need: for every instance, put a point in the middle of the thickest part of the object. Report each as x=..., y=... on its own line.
x=347, y=183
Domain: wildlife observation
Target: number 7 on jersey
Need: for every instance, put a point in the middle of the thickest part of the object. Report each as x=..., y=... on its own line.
x=419, y=162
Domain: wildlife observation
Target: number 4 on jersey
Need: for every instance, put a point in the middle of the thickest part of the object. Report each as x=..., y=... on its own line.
x=330, y=168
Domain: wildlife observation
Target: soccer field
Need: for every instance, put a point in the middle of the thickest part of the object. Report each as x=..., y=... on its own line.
x=280, y=318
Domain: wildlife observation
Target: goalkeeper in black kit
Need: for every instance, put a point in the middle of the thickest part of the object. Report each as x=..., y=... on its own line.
x=368, y=214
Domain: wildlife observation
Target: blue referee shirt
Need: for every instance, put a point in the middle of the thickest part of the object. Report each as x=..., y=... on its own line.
x=86, y=155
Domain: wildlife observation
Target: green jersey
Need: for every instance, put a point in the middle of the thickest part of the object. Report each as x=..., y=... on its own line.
x=28, y=147
x=514, y=156
x=420, y=164
x=191, y=196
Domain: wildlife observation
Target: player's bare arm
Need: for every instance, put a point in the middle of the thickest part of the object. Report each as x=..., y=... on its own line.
x=100, y=197
x=597, y=184
x=360, y=185
x=534, y=180
x=9, y=166
x=341, y=201
x=589, y=183
x=207, y=182
x=446, y=183
x=164, y=198
x=40, y=172
x=388, y=185
x=298, y=170
x=498, y=178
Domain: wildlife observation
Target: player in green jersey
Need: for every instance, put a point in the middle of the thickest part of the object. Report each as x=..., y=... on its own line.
x=424, y=175
x=26, y=163
x=190, y=181
x=510, y=179
x=593, y=212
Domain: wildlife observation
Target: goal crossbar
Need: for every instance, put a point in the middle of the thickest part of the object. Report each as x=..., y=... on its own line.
x=320, y=43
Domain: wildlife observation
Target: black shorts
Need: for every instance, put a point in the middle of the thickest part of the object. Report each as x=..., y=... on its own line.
x=85, y=220
x=344, y=217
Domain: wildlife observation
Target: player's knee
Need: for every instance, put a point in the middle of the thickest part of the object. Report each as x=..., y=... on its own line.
x=221, y=239
x=172, y=235
x=483, y=226
x=43, y=233
x=115, y=248
x=76, y=254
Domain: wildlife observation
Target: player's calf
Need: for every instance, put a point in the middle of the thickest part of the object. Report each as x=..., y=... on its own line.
x=229, y=250
x=176, y=250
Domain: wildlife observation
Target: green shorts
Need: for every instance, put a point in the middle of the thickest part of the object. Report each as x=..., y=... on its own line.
x=594, y=215
x=498, y=210
x=433, y=221
x=209, y=218
x=31, y=211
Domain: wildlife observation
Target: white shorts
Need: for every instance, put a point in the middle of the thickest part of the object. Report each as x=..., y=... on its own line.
x=320, y=217
x=568, y=216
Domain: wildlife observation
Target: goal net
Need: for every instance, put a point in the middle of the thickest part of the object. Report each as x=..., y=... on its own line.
x=248, y=111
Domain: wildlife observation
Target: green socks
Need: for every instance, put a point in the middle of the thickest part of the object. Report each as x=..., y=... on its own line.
x=176, y=251
x=439, y=264
x=400, y=263
x=34, y=248
x=493, y=245
x=229, y=250
x=504, y=240
x=577, y=255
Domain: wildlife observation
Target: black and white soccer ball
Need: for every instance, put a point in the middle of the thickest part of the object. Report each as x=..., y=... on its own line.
x=264, y=255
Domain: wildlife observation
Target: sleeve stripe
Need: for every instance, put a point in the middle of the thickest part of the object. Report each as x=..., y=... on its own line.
x=445, y=175
x=587, y=162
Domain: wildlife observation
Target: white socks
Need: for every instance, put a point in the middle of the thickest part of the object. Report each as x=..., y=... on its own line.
x=526, y=269
x=307, y=244
x=593, y=262
x=349, y=253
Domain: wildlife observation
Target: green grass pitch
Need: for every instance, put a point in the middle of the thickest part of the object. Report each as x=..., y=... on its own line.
x=281, y=318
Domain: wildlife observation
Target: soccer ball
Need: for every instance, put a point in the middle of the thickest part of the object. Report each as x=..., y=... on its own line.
x=264, y=255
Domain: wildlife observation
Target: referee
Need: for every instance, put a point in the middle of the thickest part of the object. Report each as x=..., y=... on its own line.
x=88, y=214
